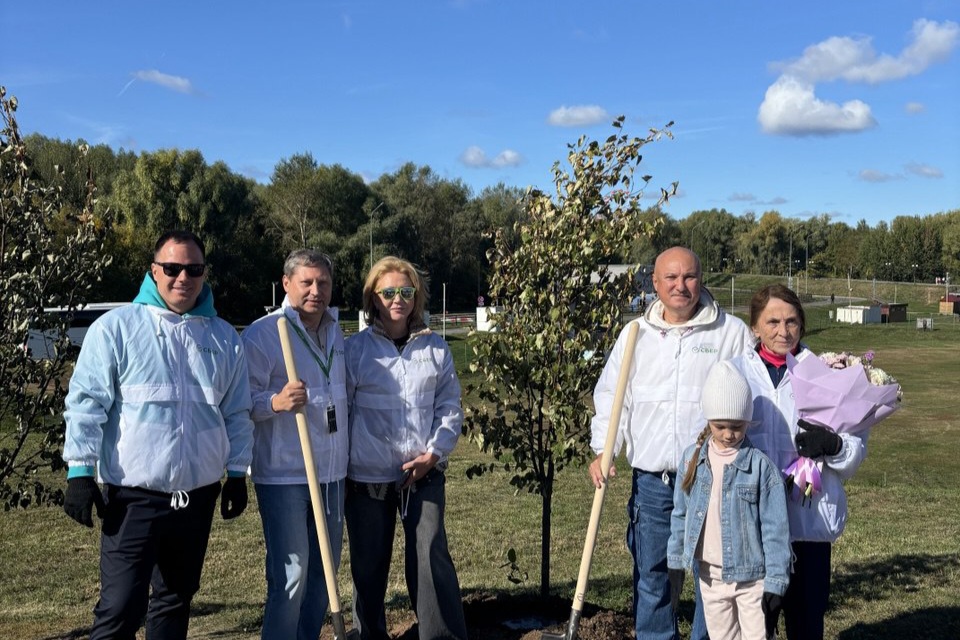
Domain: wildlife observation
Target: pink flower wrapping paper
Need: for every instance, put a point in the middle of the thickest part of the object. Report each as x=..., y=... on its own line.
x=840, y=392
x=841, y=399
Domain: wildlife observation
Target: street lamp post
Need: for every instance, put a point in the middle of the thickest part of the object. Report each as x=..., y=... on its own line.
x=371, y=232
x=692, y=243
x=790, y=265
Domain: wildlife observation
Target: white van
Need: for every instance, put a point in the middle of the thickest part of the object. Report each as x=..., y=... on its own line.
x=40, y=344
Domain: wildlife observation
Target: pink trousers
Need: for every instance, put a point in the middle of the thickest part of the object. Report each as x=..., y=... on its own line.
x=733, y=610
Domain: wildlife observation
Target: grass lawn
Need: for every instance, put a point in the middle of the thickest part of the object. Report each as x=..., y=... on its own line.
x=896, y=568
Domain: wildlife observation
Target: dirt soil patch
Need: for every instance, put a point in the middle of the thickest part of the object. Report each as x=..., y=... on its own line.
x=511, y=617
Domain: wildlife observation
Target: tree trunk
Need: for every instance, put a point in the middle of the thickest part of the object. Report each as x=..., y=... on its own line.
x=546, y=513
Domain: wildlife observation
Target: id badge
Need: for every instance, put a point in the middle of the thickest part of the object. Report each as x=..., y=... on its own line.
x=332, y=418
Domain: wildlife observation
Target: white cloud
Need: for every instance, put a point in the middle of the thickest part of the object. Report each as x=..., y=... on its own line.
x=791, y=107
x=104, y=133
x=577, y=116
x=854, y=60
x=507, y=158
x=914, y=107
x=872, y=175
x=749, y=197
x=255, y=172
x=474, y=156
x=923, y=170
x=174, y=83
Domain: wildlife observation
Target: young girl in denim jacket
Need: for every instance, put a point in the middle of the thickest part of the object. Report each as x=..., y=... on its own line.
x=736, y=529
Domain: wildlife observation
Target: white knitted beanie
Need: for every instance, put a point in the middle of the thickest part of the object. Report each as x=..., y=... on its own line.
x=726, y=395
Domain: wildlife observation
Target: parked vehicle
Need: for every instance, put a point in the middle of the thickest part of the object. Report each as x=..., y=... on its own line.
x=41, y=344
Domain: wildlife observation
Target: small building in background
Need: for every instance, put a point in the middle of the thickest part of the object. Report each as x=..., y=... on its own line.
x=893, y=312
x=950, y=304
x=485, y=319
x=859, y=314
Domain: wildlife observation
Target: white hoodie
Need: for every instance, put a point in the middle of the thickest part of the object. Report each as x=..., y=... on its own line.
x=661, y=410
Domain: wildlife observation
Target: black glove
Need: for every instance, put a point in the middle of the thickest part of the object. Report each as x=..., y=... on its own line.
x=676, y=586
x=233, y=497
x=82, y=494
x=771, y=606
x=814, y=441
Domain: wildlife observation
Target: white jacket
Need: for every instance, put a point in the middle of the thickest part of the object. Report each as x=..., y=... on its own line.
x=277, y=456
x=661, y=410
x=775, y=413
x=159, y=400
x=403, y=403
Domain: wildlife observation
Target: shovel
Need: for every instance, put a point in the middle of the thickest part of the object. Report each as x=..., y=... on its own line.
x=605, y=461
x=329, y=571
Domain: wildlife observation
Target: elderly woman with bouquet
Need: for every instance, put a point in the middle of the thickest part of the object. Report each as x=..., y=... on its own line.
x=817, y=450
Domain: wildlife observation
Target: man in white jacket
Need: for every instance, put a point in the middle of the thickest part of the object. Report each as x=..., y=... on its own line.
x=682, y=334
x=159, y=406
x=296, y=590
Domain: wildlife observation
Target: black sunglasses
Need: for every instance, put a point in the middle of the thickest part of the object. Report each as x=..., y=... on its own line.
x=173, y=269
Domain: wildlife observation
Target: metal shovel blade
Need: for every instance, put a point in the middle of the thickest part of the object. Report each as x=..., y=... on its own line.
x=340, y=629
x=573, y=626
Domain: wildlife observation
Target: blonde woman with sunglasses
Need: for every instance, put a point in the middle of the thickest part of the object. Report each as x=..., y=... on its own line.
x=405, y=418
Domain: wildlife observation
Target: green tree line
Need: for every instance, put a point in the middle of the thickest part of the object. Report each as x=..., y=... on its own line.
x=435, y=222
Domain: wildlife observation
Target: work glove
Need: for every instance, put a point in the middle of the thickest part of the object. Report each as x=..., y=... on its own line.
x=233, y=497
x=771, y=606
x=676, y=586
x=814, y=441
x=82, y=495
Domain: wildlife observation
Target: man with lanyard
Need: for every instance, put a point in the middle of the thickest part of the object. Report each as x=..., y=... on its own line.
x=682, y=334
x=160, y=402
x=296, y=590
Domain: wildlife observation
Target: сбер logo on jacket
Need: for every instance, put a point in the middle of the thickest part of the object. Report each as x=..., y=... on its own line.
x=211, y=350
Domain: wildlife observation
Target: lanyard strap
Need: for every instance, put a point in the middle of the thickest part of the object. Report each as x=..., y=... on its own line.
x=325, y=367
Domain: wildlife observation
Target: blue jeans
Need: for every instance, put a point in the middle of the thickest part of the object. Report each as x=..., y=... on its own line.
x=296, y=586
x=648, y=511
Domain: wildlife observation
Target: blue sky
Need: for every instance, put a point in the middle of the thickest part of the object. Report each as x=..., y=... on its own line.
x=847, y=108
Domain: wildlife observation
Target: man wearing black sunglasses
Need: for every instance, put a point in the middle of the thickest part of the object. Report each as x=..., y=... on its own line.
x=159, y=406
x=178, y=270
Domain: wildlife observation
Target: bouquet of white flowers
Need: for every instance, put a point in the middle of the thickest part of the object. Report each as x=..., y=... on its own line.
x=875, y=375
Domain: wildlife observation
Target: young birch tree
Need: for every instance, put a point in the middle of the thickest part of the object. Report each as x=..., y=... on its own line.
x=558, y=311
x=50, y=255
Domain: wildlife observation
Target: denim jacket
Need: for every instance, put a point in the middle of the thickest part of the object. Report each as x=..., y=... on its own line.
x=753, y=518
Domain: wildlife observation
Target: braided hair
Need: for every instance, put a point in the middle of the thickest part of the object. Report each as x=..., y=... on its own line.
x=691, y=472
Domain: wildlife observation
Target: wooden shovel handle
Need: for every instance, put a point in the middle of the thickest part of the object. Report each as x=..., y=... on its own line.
x=606, y=460
x=326, y=553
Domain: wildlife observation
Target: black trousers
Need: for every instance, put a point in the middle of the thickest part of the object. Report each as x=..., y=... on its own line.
x=807, y=597
x=151, y=557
